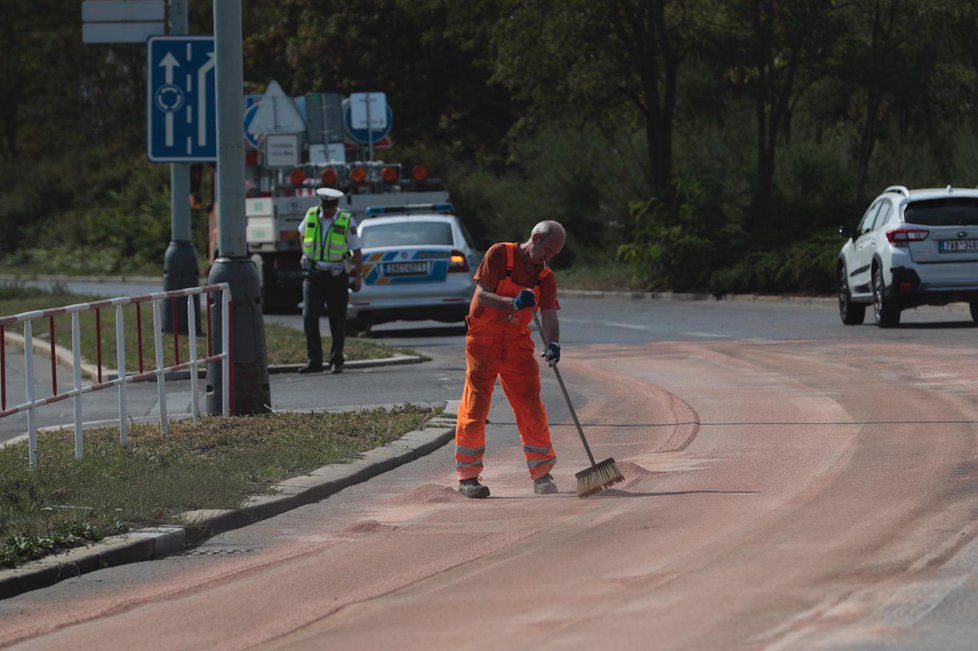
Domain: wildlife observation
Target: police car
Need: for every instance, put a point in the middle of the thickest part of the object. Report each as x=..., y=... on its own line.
x=418, y=262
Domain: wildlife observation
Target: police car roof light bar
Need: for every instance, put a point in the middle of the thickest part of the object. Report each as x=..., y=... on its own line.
x=407, y=209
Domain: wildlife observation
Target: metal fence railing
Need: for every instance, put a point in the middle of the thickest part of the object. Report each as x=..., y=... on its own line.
x=123, y=377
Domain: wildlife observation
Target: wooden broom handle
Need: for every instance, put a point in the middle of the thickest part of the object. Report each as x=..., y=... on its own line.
x=563, y=389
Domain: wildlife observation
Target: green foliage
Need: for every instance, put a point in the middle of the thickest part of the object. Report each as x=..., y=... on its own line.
x=806, y=267
x=676, y=245
x=696, y=137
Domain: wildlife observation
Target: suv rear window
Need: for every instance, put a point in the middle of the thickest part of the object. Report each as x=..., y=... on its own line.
x=943, y=212
x=406, y=234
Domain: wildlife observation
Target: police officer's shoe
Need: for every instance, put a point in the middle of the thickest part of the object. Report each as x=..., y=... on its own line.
x=472, y=488
x=336, y=368
x=311, y=368
x=544, y=485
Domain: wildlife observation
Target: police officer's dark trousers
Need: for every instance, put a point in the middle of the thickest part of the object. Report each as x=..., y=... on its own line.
x=319, y=287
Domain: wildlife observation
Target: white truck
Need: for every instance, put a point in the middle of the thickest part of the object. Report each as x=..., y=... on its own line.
x=274, y=243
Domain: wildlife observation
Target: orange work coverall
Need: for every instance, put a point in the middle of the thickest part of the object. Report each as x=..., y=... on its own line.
x=499, y=343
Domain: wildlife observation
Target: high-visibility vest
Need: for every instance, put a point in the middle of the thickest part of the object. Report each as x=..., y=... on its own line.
x=336, y=248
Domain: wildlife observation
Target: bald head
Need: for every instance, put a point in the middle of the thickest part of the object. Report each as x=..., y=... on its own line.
x=546, y=240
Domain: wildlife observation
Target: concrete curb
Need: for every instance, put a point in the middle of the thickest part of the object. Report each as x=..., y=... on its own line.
x=155, y=542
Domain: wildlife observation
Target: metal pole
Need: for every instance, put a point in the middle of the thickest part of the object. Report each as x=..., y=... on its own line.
x=160, y=381
x=120, y=347
x=180, y=266
x=76, y=376
x=250, y=364
x=229, y=77
x=370, y=131
x=29, y=374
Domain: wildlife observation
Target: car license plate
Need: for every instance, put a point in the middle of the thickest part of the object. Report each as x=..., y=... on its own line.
x=406, y=268
x=957, y=246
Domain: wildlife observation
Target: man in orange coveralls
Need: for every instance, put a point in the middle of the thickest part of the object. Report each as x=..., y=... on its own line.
x=512, y=280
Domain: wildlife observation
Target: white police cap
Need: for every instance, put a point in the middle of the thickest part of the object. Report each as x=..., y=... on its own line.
x=330, y=194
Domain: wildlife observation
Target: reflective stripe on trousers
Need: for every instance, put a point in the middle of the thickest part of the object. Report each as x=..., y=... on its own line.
x=492, y=353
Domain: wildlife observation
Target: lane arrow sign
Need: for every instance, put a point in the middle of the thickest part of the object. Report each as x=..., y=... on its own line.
x=202, y=105
x=169, y=62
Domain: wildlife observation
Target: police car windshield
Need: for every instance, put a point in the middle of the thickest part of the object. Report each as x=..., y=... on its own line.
x=961, y=211
x=411, y=233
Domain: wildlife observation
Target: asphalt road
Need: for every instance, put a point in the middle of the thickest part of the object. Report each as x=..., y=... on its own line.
x=791, y=483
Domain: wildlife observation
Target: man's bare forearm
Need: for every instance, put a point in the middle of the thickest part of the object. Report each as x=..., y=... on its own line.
x=486, y=298
x=550, y=325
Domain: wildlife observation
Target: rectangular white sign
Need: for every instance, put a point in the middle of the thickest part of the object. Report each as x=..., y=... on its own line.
x=281, y=149
x=377, y=103
x=120, y=32
x=101, y=11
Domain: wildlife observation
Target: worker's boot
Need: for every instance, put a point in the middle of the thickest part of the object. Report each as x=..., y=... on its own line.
x=472, y=488
x=544, y=485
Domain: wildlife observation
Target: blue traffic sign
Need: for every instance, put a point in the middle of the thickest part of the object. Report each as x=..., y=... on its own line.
x=181, y=99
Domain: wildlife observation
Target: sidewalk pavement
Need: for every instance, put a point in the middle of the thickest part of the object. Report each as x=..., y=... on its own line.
x=154, y=542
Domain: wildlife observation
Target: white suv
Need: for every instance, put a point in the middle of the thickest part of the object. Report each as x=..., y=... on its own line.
x=912, y=247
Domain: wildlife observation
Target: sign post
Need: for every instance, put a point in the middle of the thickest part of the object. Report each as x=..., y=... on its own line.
x=180, y=266
x=369, y=111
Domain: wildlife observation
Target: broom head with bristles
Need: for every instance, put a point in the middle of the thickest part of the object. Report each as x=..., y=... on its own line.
x=598, y=477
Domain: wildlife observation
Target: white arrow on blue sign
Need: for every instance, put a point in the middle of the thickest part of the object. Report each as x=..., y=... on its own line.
x=181, y=101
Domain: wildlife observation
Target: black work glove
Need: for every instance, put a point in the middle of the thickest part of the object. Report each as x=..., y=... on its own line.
x=551, y=353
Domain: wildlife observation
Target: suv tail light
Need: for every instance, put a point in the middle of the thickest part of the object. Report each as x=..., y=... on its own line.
x=457, y=262
x=904, y=236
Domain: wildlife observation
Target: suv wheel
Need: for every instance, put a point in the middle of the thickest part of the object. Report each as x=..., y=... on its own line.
x=885, y=309
x=851, y=313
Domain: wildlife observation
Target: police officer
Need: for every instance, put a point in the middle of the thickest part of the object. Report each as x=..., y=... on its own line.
x=333, y=264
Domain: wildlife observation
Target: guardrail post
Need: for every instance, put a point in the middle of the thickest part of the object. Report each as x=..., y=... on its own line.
x=76, y=376
x=29, y=374
x=193, y=300
x=120, y=347
x=226, y=349
x=160, y=381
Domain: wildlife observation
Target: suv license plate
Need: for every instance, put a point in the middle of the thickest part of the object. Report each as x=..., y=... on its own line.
x=405, y=268
x=957, y=246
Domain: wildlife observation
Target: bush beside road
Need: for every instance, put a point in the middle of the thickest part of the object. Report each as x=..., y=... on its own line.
x=67, y=503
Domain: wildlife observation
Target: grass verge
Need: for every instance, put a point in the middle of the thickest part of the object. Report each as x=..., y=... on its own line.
x=66, y=503
x=608, y=277
x=284, y=345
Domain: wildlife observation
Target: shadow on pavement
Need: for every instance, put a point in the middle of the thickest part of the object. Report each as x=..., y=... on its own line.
x=937, y=325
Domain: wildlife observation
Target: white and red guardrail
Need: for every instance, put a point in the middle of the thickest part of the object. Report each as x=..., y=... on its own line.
x=122, y=377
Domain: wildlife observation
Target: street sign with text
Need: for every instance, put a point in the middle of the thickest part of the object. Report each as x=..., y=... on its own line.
x=122, y=21
x=181, y=102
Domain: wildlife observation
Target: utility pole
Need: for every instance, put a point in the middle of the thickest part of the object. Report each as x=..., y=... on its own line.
x=249, y=363
x=180, y=266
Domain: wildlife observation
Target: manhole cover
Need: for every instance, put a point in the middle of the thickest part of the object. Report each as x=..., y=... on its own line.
x=219, y=550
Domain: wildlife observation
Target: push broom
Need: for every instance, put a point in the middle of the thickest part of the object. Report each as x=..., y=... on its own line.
x=600, y=475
